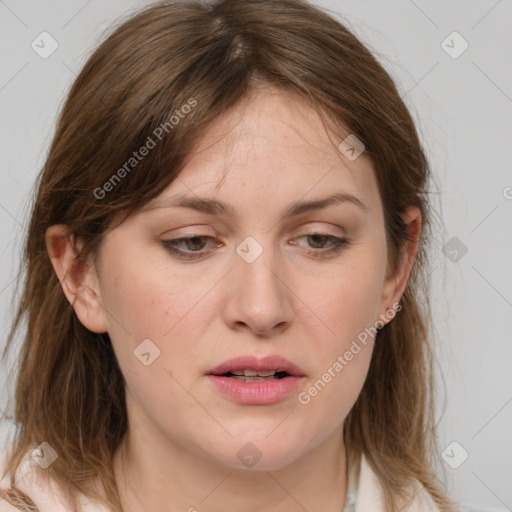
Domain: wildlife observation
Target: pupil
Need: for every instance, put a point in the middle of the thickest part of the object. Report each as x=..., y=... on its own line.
x=193, y=242
x=316, y=239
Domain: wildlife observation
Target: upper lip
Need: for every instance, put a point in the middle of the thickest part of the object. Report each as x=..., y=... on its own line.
x=248, y=362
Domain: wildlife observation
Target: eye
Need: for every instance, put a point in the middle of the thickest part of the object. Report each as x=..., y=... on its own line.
x=193, y=246
x=190, y=248
x=319, y=240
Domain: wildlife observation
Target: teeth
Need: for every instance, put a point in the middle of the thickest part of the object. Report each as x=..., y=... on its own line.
x=266, y=374
x=253, y=373
x=243, y=378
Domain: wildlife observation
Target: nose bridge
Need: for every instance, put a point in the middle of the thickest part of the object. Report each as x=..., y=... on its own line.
x=258, y=296
x=257, y=262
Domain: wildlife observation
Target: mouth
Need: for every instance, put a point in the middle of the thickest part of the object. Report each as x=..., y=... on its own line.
x=252, y=381
x=251, y=369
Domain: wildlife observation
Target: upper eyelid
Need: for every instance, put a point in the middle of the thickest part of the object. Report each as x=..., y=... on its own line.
x=194, y=231
x=188, y=236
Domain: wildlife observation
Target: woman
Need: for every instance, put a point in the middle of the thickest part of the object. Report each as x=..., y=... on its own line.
x=225, y=294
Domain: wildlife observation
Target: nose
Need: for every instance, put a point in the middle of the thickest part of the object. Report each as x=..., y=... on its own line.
x=258, y=297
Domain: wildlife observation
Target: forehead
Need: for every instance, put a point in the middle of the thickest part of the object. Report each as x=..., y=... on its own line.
x=276, y=145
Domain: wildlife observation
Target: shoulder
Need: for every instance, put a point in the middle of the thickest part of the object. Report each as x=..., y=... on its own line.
x=31, y=482
x=7, y=507
x=370, y=494
x=6, y=431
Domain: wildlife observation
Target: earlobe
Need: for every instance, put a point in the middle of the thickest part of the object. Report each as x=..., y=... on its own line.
x=79, y=281
x=396, y=280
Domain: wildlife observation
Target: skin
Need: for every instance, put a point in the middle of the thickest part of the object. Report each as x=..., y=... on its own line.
x=180, y=452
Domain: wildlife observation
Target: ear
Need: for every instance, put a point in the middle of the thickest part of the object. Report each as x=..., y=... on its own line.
x=396, y=279
x=78, y=279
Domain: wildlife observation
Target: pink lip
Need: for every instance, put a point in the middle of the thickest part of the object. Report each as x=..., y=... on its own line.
x=256, y=393
x=267, y=363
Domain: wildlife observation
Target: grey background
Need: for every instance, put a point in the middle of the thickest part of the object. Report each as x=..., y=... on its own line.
x=463, y=108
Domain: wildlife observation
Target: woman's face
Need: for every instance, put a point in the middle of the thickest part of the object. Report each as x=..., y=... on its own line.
x=298, y=285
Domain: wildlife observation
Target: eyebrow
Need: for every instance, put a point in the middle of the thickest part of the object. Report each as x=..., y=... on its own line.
x=214, y=207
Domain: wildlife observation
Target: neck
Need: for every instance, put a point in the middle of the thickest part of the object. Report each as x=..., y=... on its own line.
x=166, y=477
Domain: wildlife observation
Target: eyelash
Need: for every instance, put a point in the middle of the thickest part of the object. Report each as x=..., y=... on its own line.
x=338, y=245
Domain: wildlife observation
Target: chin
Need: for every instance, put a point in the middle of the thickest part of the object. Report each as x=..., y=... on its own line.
x=258, y=454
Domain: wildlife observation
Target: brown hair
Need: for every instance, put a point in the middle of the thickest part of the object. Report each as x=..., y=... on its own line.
x=70, y=390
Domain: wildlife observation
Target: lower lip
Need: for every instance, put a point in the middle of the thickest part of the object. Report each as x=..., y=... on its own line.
x=255, y=393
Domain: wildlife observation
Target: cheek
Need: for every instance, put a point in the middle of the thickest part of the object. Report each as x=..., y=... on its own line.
x=143, y=302
x=331, y=394
x=343, y=353
x=348, y=305
x=350, y=301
